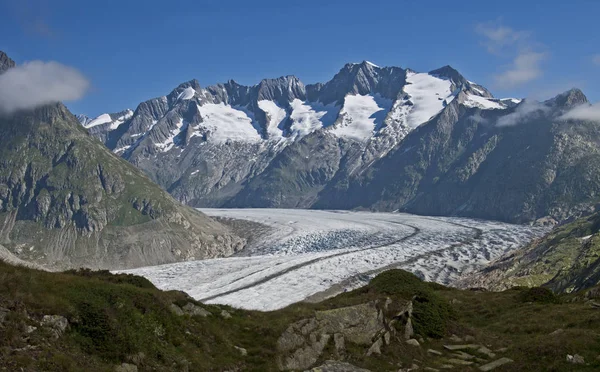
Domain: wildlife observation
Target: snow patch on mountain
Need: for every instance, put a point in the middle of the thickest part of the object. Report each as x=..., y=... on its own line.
x=102, y=119
x=170, y=141
x=225, y=123
x=276, y=116
x=428, y=94
x=310, y=116
x=483, y=103
x=187, y=94
x=361, y=116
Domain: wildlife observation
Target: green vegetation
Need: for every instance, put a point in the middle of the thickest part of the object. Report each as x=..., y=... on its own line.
x=116, y=319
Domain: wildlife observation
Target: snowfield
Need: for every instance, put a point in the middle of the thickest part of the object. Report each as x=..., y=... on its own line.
x=311, y=255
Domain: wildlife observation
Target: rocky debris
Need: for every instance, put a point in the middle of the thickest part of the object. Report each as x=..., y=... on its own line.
x=225, y=314
x=242, y=351
x=435, y=352
x=126, y=367
x=30, y=329
x=487, y=352
x=366, y=324
x=460, y=362
x=496, y=363
x=462, y=355
x=575, y=359
x=461, y=347
x=58, y=324
x=189, y=309
x=335, y=366
x=431, y=369
x=413, y=342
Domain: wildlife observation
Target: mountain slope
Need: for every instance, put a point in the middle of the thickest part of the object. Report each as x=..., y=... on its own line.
x=66, y=201
x=567, y=260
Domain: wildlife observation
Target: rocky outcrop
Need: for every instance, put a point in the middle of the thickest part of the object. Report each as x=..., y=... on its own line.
x=370, y=325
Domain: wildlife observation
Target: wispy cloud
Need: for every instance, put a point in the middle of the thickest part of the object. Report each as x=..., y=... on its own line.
x=527, y=110
x=38, y=83
x=584, y=112
x=526, y=67
x=527, y=59
x=498, y=37
x=596, y=59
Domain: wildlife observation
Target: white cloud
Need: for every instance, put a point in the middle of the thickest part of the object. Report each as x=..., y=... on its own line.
x=525, y=111
x=584, y=112
x=502, y=41
x=596, y=59
x=498, y=36
x=526, y=67
x=38, y=83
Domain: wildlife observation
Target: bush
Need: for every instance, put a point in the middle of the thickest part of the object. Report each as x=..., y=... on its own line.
x=539, y=295
x=431, y=313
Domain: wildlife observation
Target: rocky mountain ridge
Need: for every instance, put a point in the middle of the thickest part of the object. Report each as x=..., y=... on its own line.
x=452, y=146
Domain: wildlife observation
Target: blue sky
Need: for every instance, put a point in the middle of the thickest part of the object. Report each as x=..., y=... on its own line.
x=135, y=50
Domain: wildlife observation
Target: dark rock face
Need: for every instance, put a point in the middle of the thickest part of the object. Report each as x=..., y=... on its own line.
x=473, y=155
x=5, y=62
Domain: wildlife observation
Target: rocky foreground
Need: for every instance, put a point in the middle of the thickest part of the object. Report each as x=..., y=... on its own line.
x=96, y=321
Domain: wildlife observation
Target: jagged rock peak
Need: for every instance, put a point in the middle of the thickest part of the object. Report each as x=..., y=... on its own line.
x=5, y=62
x=571, y=98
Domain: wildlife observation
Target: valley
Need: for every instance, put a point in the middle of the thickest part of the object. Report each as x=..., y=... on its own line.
x=308, y=253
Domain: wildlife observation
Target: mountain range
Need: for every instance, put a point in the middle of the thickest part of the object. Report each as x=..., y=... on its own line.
x=379, y=138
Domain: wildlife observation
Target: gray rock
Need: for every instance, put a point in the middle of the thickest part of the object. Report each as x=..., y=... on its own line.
x=336, y=366
x=58, y=324
x=575, y=359
x=192, y=309
x=176, y=309
x=375, y=348
x=462, y=347
x=340, y=343
x=242, y=351
x=3, y=314
x=495, y=364
x=126, y=367
x=225, y=314
x=413, y=342
x=435, y=352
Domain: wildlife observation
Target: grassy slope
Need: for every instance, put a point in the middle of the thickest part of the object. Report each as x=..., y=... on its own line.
x=115, y=317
